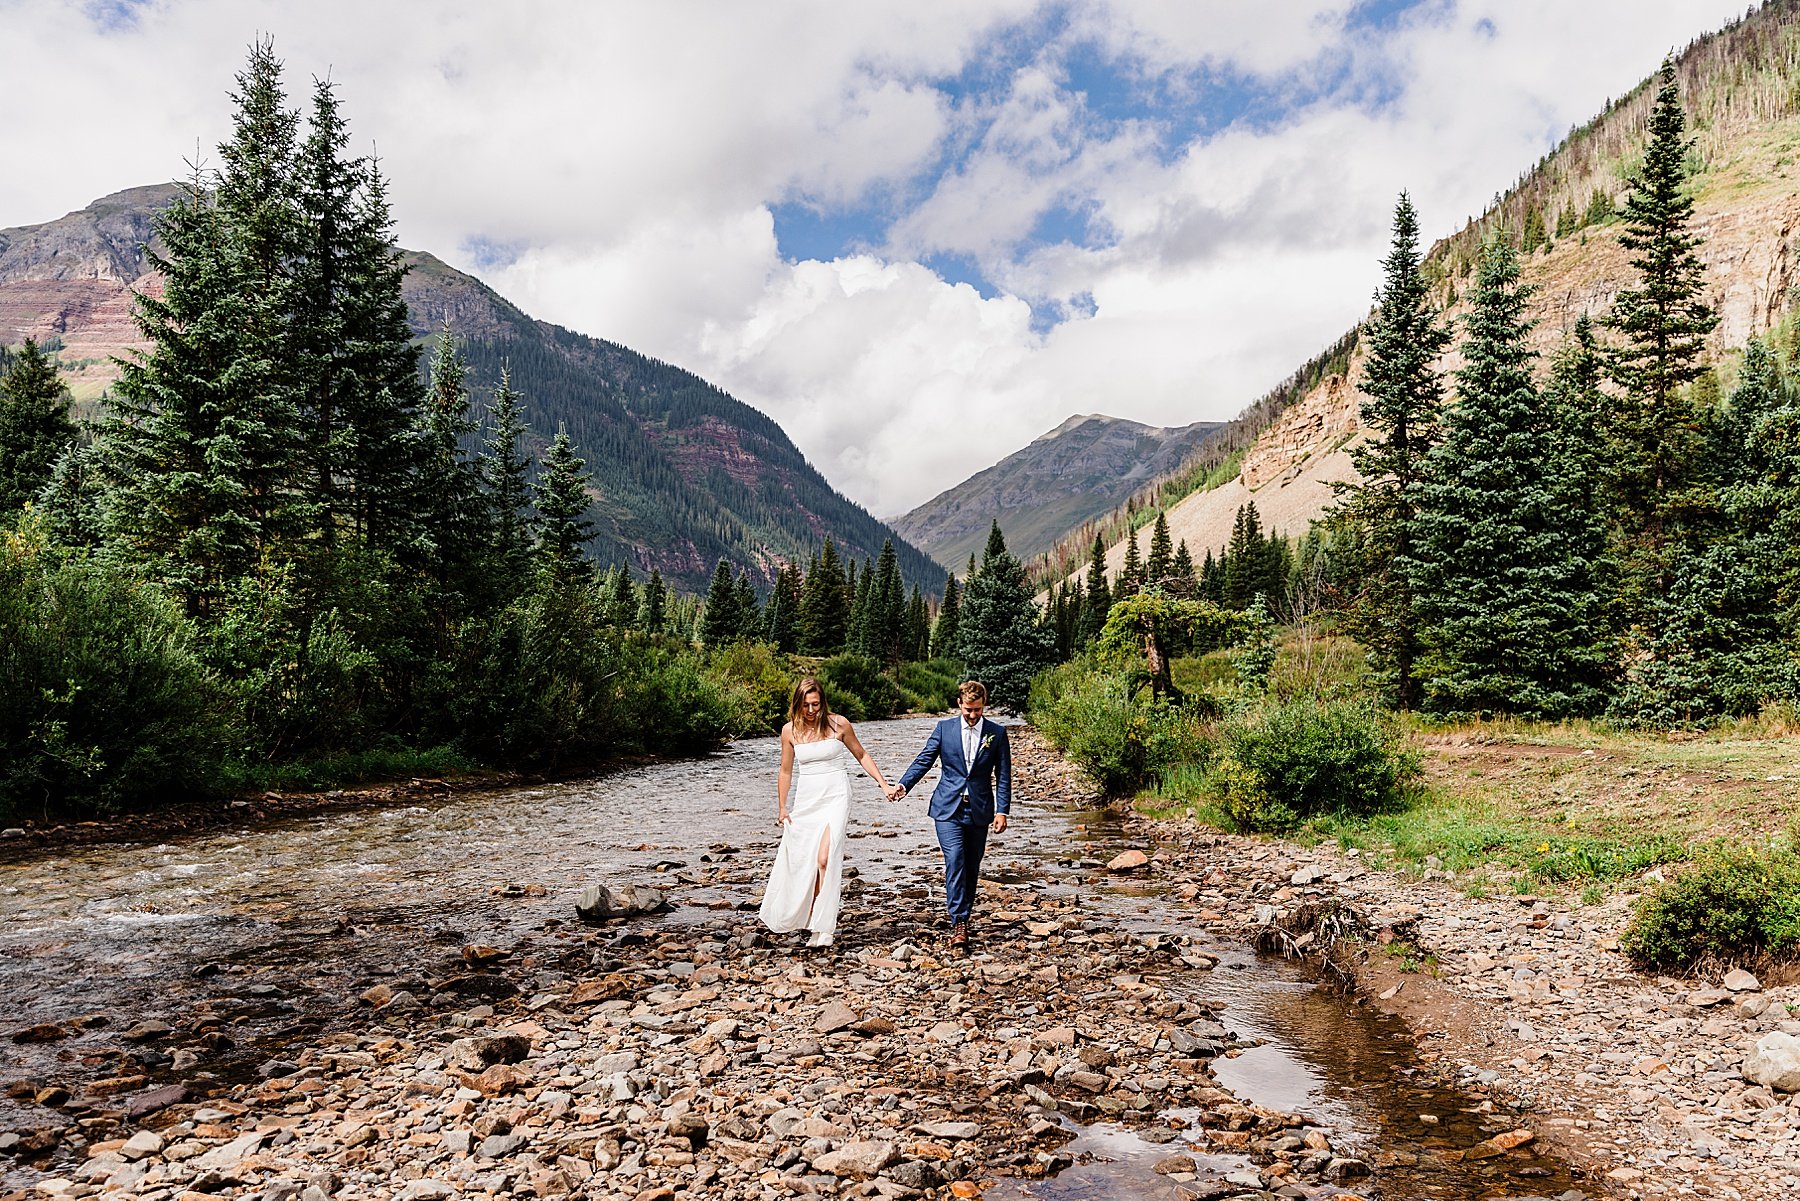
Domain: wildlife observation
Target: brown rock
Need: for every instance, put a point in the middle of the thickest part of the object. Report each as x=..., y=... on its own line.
x=1128, y=861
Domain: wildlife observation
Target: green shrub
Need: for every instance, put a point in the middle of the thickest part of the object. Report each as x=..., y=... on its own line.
x=1281, y=764
x=104, y=701
x=930, y=687
x=761, y=682
x=856, y=687
x=1109, y=727
x=1731, y=905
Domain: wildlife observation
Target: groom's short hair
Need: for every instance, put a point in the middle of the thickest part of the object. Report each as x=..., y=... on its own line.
x=972, y=690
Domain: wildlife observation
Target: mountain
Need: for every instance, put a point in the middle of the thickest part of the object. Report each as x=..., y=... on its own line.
x=1741, y=90
x=1080, y=469
x=684, y=474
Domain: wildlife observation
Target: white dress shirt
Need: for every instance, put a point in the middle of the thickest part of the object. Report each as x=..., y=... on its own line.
x=971, y=736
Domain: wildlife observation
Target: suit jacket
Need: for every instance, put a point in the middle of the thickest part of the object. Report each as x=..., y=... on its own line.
x=987, y=781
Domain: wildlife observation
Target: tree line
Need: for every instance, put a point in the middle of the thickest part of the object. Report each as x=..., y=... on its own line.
x=1622, y=539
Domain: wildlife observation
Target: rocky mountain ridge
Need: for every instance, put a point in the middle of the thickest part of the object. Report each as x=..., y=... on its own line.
x=684, y=474
x=1064, y=477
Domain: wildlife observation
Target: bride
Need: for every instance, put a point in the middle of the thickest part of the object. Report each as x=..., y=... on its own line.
x=809, y=865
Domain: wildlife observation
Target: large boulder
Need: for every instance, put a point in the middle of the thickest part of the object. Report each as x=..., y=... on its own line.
x=603, y=902
x=1775, y=1063
x=480, y=1052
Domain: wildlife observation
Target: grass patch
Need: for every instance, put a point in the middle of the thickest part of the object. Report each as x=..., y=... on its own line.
x=373, y=766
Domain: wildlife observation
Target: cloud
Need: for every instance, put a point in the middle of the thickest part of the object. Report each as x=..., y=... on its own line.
x=1167, y=207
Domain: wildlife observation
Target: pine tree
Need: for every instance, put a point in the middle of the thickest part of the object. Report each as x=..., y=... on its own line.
x=824, y=606
x=1212, y=579
x=1002, y=642
x=1096, y=601
x=1246, y=564
x=621, y=597
x=1403, y=393
x=749, y=609
x=561, y=498
x=35, y=429
x=1131, y=572
x=1664, y=323
x=781, y=618
x=1185, y=582
x=1161, y=562
x=1510, y=617
x=653, y=618
x=916, y=639
x=947, y=633
x=452, y=512
x=885, y=636
x=184, y=452
x=505, y=473
x=863, y=634
x=720, y=623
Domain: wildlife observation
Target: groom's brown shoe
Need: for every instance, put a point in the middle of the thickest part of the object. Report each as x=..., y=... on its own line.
x=959, y=936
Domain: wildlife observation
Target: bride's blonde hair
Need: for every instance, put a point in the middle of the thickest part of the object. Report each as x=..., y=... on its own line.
x=806, y=685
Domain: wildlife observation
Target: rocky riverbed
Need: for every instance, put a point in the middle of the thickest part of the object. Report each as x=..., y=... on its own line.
x=684, y=1055
x=1526, y=1000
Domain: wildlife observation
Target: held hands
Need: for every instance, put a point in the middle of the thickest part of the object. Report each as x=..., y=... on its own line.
x=895, y=792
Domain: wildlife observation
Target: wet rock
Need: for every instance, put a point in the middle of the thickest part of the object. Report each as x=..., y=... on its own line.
x=1342, y=1168
x=146, y=1103
x=1128, y=861
x=1176, y=1165
x=602, y=902
x=479, y=1052
x=147, y=1031
x=1775, y=1063
x=859, y=1161
x=43, y=1033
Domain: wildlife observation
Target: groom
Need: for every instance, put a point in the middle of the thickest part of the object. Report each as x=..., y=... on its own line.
x=974, y=791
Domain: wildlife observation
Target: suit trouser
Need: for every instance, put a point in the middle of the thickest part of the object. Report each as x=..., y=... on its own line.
x=963, y=843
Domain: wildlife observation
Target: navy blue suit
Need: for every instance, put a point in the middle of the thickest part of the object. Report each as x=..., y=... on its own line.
x=965, y=801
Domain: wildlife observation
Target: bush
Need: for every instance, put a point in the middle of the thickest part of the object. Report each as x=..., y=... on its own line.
x=856, y=687
x=1120, y=737
x=1284, y=763
x=760, y=681
x=930, y=687
x=1731, y=905
x=104, y=701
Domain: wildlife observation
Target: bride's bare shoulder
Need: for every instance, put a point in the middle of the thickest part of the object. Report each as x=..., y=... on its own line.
x=840, y=724
x=787, y=731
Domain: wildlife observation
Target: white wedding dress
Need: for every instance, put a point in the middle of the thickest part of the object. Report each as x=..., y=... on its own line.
x=820, y=809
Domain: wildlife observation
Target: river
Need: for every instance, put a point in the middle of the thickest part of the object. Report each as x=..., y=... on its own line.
x=274, y=930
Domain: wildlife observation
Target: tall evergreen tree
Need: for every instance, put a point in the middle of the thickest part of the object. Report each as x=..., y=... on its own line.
x=621, y=598
x=948, y=631
x=1212, y=579
x=1663, y=323
x=653, y=618
x=749, y=608
x=561, y=499
x=506, y=474
x=720, y=623
x=1160, y=564
x=782, y=616
x=1510, y=617
x=885, y=617
x=1131, y=572
x=824, y=606
x=452, y=512
x=35, y=429
x=187, y=453
x=1245, y=559
x=916, y=636
x=1096, y=601
x=1002, y=642
x=1184, y=580
x=1403, y=393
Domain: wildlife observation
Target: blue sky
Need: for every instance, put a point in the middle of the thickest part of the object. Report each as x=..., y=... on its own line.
x=883, y=221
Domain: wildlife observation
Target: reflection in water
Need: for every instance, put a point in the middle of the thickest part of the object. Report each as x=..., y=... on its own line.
x=273, y=932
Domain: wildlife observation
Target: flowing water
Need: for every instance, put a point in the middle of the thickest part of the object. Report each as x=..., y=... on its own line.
x=272, y=931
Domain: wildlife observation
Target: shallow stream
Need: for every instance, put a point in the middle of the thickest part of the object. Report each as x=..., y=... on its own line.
x=273, y=931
